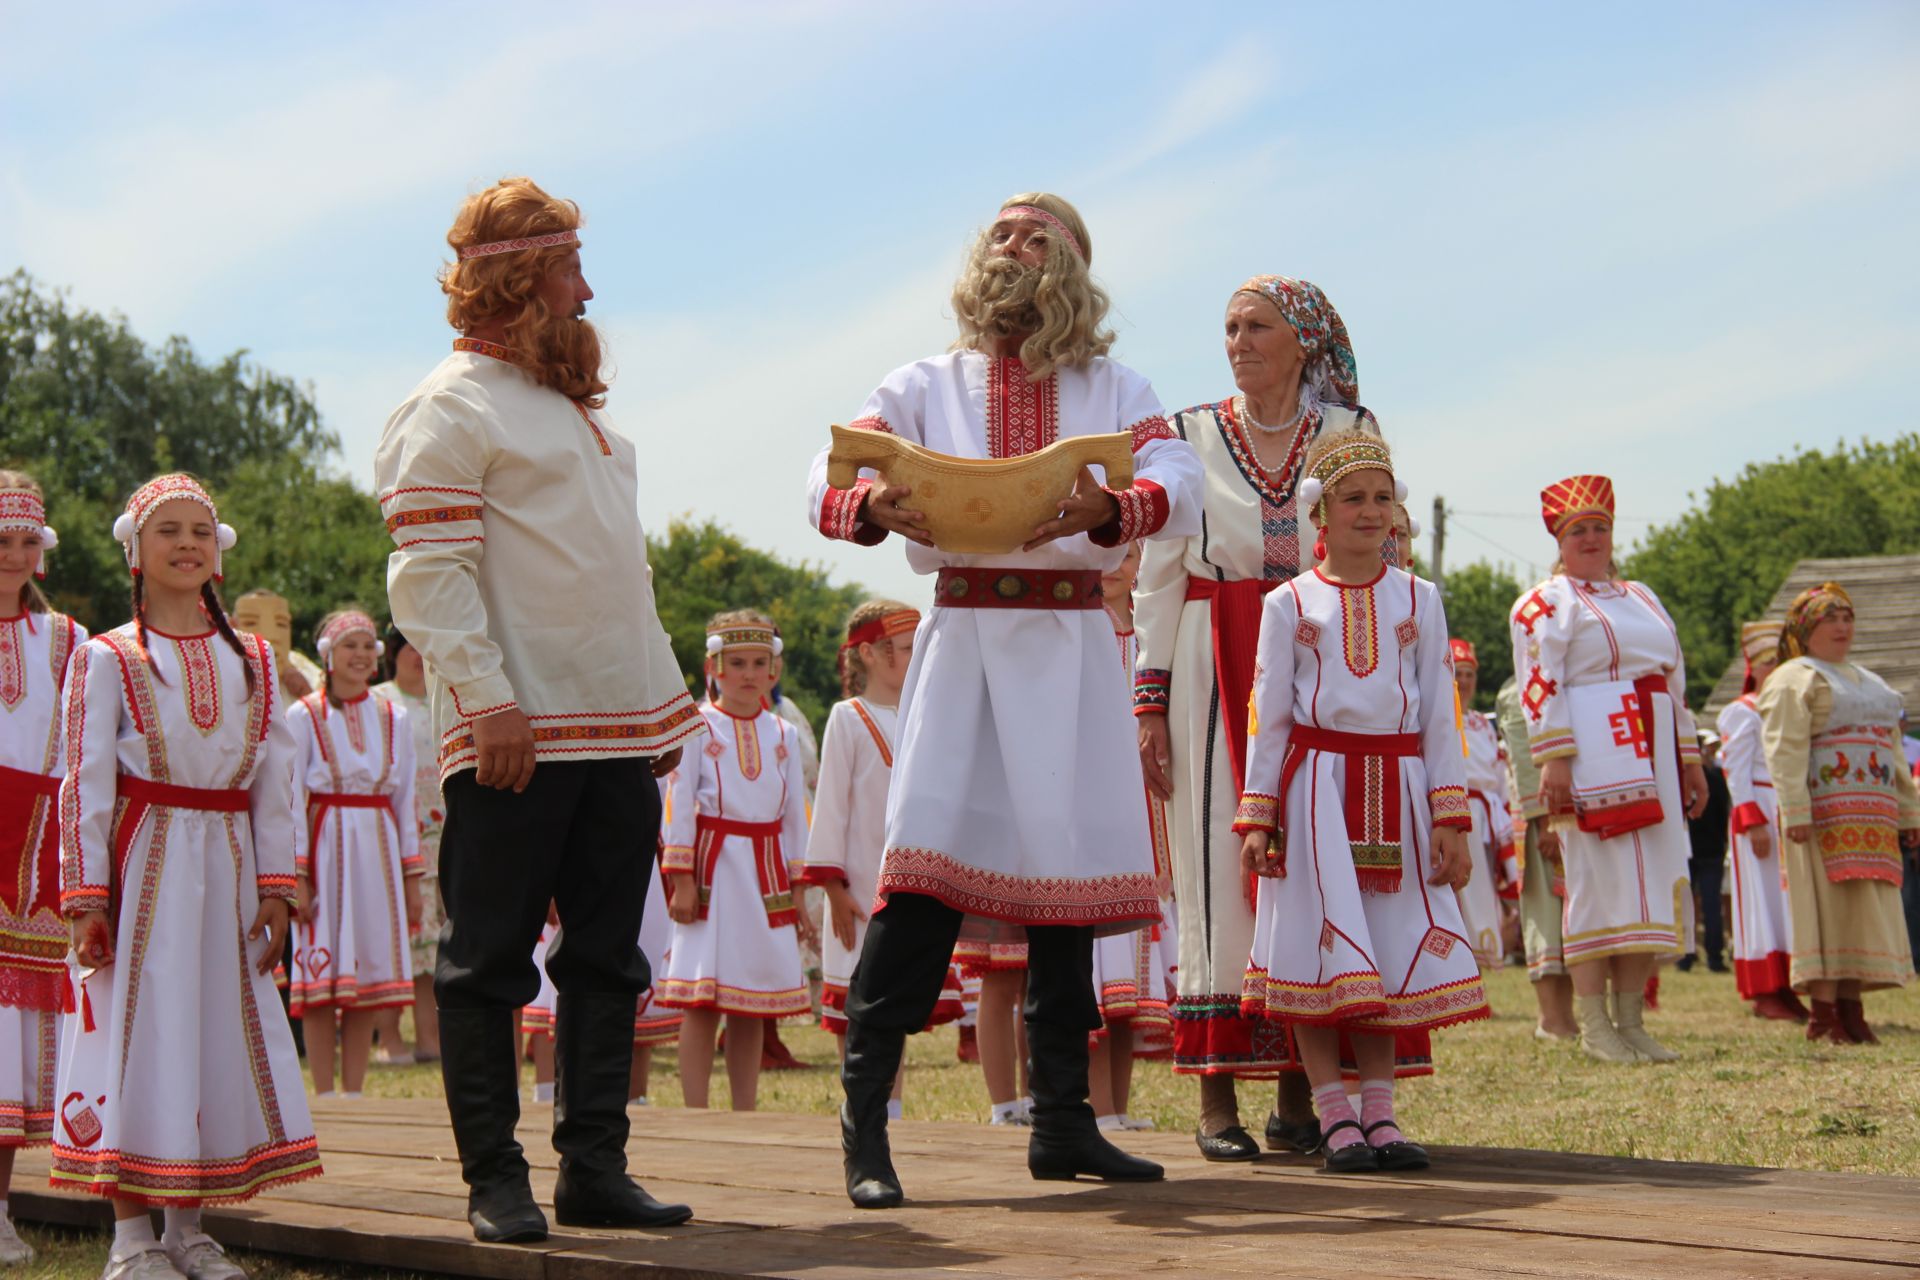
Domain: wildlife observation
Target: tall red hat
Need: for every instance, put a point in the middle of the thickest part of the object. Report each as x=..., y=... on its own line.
x=1461, y=651
x=1568, y=500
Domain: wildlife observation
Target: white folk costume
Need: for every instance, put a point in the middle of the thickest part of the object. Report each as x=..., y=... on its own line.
x=1762, y=929
x=430, y=815
x=353, y=780
x=739, y=827
x=176, y=819
x=1353, y=760
x=653, y=1022
x=1832, y=737
x=1543, y=879
x=1130, y=970
x=1013, y=719
x=1495, y=877
x=1603, y=683
x=537, y=1018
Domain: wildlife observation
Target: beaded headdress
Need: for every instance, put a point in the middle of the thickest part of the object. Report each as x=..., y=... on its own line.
x=24, y=511
x=1461, y=651
x=1359, y=452
x=1574, y=498
x=742, y=635
x=352, y=622
x=147, y=499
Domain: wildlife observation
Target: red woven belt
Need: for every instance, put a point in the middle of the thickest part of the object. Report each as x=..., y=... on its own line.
x=989, y=588
x=21, y=782
x=169, y=796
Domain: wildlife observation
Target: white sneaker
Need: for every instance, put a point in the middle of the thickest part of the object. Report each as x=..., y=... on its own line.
x=1137, y=1124
x=14, y=1252
x=199, y=1258
x=1109, y=1124
x=149, y=1263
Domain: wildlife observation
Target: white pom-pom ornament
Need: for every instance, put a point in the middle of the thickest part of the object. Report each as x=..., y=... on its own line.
x=778, y=646
x=1413, y=527
x=227, y=537
x=1310, y=491
x=123, y=527
x=48, y=538
x=1399, y=490
x=713, y=644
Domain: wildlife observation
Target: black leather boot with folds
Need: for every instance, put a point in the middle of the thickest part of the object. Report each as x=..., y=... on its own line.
x=482, y=1082
x=1067, y=1142
x=592, y=1054
x=867, y=1074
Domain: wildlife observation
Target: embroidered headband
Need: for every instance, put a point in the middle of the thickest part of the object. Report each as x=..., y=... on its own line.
x=24, y=511
x=743, y=636
x=885, y=627
x=147, y=499
x=1017, y=211
x=1361, y=453
x=1330, y=370
x=492, y=247
x=352, y=622
x=1461, y=651
x=1806, y=612
x=1574, y=498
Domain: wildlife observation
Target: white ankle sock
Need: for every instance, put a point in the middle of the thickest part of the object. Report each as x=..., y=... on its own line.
x=181, y=1223
x=543, y=1092
x=1005, y=1111
x=131, y=1235
x=1109, y=1123
x=639, y=1101
x=350, y=1095
x=1026, y=1106
x=894, y=1109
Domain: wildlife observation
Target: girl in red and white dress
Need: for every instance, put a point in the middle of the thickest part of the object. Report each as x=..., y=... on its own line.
x=35, y=644
x=177, y=836
x=1493, y=886
x=1762, y=925
x=359, y=857
x=536, y=1019
x=1355, y=813
x=739, y=831
x=1129, y=969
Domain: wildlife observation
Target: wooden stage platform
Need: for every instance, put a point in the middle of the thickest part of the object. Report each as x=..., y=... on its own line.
x=767, y=1192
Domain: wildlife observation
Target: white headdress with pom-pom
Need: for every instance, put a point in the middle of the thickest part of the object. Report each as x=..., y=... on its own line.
x=339, y=627
x=742, y=635
x=24, y=511
x=148, y=498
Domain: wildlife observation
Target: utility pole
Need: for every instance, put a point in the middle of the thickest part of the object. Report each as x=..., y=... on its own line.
x=1439, y=542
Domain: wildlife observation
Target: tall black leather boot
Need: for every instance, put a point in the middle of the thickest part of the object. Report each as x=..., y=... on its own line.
x=867, y=1074
x=1066, y=1141
x=592, y=1054
x=482, y=1082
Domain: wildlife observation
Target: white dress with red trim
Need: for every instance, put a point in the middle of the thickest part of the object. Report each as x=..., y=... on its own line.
x=1603, y=683
x=739, y=826
x=1198, y=600
x=353, y=779
x=1353, y=763
x=1495, y=875
x=178, y=1078
x=430, y=814
x=34, y=649
x=536, y=1019
x=845, y=842
x=1007, y=800
x=1762, y=924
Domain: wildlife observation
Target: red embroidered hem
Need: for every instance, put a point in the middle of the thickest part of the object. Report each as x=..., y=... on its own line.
x=185, y=1183
x=1110, y=904
x=1771, y=972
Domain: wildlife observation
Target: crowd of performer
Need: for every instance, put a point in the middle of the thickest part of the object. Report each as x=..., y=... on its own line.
x=1195, y=772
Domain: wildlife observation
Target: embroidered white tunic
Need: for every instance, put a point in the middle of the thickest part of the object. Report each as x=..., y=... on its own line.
x=1494, y=866
x=521, y=568
x=1251, y=530
x=1012, y=797
x=353, y=950
x=430, y=815
x=734, y=959
x=1762, y=929
x=199, y=1097
x=1626, y=893
x=34, y=650
x=1342, y=669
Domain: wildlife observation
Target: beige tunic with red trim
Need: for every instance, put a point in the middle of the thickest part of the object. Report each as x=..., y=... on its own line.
x=1016, y=792
x=178, y=1077
x=521, y=568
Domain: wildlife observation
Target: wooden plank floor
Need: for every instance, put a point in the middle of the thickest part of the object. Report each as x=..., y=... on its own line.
x=767, y=1192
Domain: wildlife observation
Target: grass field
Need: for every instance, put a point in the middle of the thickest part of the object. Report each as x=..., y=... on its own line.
x=1747, y=1092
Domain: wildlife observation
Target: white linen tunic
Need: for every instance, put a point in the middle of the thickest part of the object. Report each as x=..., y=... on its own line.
x=1762, y=925
x=352, y=952
x=199, y=1097
x=1627, y=893
x=1491, y=842
x=1251, y=530
x=1014, y=794
x=745, y=770
x=430, y=816
x=1356, y=660
x=34, y=650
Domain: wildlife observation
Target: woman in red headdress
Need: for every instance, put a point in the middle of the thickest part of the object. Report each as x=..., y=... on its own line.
x=1603, y=685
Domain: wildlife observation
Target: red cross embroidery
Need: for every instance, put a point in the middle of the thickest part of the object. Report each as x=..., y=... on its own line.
x=1539, y=689
x=1627, y=729
x=1531, y=610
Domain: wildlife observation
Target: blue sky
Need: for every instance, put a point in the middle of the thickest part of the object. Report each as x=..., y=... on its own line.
x=1658, y=241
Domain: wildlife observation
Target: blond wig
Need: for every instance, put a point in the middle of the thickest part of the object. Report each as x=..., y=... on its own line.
x=1057, y=306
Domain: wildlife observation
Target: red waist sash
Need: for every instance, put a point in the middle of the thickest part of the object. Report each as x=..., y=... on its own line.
x=1373, y=802
x=1236, y=638
x=318, y=802
x=776, y=890
x=985, y=587
x=29, y=883
x=141, y=794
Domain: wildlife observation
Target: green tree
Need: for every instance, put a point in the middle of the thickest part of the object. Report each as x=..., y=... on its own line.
x=1720, y=563
x=1480, y=598
x=91, y=412
x=700, y=569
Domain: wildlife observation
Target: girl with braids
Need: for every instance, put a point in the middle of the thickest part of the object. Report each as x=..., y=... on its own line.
x=35, y=643
x=358, y=861
x=177, y=837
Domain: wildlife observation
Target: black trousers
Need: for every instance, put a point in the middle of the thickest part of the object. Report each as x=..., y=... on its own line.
x=583, y=835
x=909, y=945
x=1709, y=874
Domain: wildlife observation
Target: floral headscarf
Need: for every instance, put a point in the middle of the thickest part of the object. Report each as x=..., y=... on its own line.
x=1805, y=613
x=1330, y=369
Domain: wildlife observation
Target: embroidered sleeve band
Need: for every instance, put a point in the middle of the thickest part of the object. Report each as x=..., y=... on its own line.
x=1259, y=812
x=1152, y=691
x=1551, y=744
x=677, y=858
x=1747, y=816
x=417, y=516
x=840, y=516
x=1449, y=805
x=1154, y=428
x=1143, y=510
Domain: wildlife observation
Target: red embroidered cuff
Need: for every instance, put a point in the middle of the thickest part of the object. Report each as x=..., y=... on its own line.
x=88, y=897
x=1449, y=806
x=823, y=874
x=270, y=886
x=840, y=516
x=1748, y=816
x=414, y=866
x=1152, y=691
x=1551, y=744
x=1143, y=512
x=677, y=858
x=1257, y=812
x=303, y=867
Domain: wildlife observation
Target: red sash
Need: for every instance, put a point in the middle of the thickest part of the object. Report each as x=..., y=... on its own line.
x=1236, y=639
x=318, y=803
x=776, y=890
x=21, y=796
x=138, y=795
x=1373, y=802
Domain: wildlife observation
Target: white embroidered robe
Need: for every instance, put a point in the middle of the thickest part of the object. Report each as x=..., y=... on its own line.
x=1762, y=928
x=1494, y=867
x=430, y=816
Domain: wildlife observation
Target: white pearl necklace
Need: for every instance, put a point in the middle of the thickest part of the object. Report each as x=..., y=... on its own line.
x=1245, y=411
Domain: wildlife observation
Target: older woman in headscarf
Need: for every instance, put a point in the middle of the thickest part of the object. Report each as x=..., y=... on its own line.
x=1848, y=804
x=1198, y=614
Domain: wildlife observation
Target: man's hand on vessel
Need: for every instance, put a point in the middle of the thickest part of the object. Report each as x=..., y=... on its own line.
x=504, y=743
x=1087, y=507
x=883, y=506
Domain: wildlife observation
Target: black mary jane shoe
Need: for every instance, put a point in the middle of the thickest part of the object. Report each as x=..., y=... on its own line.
x=1301, y=1139
x=1397, y=1157
x=1232, y=1145
x=1355, y=1157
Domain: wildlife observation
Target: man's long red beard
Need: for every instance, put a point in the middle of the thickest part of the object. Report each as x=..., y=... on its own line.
x=561, y=352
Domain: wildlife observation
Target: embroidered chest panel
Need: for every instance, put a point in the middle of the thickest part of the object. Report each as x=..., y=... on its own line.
x=1359, y=631
x=1022, y=416
x=746, y=748
x=200, y=682
x=13, y=662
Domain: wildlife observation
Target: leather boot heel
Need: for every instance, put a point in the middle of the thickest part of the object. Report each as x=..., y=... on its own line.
x=1067, y=1142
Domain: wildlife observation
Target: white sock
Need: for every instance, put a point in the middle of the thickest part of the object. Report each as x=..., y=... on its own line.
x=639, y=1100
x=543, y=1092
x=1026, y=1106
x=131, y=1235
x=1005, y=1111
x=181, y=1223
x=894, y=1109
x=1109, y=1123
x=350, y=1095
x=324, y=1093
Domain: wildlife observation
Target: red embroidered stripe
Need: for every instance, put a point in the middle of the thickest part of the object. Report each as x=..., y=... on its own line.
x=431, y=515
